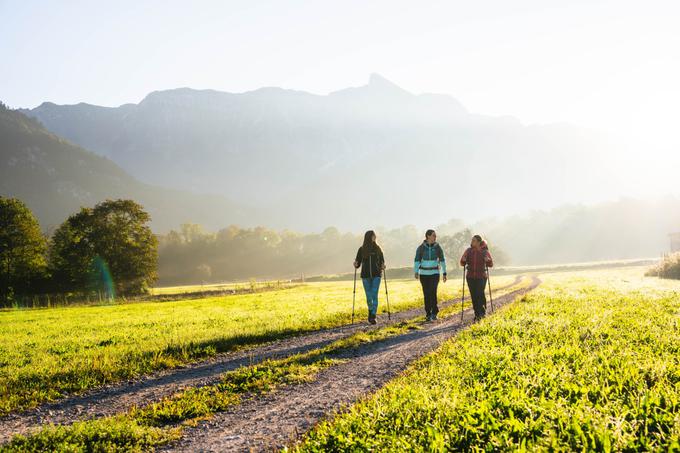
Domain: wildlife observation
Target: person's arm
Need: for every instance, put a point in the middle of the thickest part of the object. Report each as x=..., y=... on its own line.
x=357, y=260
x=381, y=256
x=442, y=260
x=463, y=259
x=488, y=259
x=416, y=261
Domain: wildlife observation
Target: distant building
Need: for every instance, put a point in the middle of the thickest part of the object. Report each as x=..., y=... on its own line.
x=675, y=242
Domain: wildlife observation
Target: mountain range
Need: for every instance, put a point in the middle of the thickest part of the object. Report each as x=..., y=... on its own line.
x=55, y=177
x=355, y=158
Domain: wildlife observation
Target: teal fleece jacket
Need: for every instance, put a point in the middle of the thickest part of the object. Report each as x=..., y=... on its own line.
x=429, y=259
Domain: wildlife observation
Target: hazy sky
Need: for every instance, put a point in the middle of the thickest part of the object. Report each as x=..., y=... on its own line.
x=613, y=65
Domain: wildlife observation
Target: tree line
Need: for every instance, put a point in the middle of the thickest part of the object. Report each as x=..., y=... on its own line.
x=110, y=250
x=105, y=250
x=192, y=255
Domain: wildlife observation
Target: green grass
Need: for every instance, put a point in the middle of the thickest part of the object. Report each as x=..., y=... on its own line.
x=239, y=287
x=161, y=422
x=590, y=361
x=45, y=353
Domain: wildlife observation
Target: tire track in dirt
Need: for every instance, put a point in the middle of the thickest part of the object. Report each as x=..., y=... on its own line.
x=277, y=419
x=120, y=397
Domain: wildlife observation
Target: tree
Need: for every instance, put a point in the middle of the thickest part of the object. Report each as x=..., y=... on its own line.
x=454, y=246
x=106, y=248
x=22, y=249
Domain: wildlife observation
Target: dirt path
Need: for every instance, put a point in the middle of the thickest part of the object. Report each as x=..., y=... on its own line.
x=274, y=420
x=120, y=397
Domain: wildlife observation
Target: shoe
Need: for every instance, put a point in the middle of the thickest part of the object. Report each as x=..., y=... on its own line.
x=371, y=319
x=433, y=318
x=428, y=318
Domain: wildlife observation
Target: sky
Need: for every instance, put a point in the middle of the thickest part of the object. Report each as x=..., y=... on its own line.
x=607, y=65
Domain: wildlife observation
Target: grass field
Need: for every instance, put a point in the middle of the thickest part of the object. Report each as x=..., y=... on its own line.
x=238, y=287
x=45, y=353
x=589, y=361
x=149, y=426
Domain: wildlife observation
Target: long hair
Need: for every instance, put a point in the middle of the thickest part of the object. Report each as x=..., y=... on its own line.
x=369, y=246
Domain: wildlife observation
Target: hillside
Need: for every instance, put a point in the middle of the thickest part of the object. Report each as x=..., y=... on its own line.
x=55, y=178
x=370, y=155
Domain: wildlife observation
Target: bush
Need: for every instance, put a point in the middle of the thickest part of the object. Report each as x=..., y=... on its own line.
x=669, y=267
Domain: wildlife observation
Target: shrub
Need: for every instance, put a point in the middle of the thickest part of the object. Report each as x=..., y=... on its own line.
x=669, y=267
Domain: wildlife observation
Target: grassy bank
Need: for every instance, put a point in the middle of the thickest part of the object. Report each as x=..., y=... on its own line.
x=590, y=361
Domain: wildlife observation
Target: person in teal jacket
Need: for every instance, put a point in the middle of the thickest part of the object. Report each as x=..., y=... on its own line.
x=427, y=265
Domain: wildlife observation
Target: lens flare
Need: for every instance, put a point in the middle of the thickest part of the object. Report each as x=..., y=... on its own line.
x=103, y=280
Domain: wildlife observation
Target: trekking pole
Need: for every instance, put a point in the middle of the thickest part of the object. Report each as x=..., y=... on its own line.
x=387, y=296
x=462, y=297
x=488, y=279
x=354, y=293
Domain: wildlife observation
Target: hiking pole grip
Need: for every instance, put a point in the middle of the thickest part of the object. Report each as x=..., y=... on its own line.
x=387, y=296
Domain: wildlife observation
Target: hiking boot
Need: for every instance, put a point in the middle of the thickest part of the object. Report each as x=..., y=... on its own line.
x=433, y=317
x=371, y=319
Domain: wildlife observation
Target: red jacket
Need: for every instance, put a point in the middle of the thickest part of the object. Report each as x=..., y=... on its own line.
x=477, y=261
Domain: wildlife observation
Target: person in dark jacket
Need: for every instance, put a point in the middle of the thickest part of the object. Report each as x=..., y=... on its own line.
x=477, y=258
x=372, y=262
x=429, y=260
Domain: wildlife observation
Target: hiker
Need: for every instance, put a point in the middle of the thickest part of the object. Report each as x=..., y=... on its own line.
x=429, y=259
x=477, y=258
x=372, y=262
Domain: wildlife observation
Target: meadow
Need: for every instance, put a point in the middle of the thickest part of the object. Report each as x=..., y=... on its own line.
x=47, y=353
x=590, y=361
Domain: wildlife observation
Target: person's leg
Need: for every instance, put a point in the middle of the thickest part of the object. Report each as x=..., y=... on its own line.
x=424, y=281
x=434, y=309
x=368, y=289
x=474, y=295
x=375, y=290
x=482, y=295
x=431, y=296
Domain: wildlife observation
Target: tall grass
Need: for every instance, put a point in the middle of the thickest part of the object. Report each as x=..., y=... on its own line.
x=47, y=353
x=584, y=364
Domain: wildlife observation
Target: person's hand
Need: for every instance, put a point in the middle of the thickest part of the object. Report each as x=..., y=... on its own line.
x=383, y=267
x=416, y=275
x=444, y=278
x=356, y=265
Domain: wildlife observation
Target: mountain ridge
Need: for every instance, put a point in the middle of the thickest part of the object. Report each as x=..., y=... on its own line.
x=283, y=151
x=55, y=178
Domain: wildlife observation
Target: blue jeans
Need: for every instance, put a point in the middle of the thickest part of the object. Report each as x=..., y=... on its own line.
x=371, y=286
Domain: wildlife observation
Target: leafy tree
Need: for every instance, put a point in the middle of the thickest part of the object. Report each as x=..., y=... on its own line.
x=22, y=249
x=108, y=247
x=454, y=245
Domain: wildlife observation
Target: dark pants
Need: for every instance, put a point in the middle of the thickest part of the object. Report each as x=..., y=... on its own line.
x=430, y=283
x=478, y=294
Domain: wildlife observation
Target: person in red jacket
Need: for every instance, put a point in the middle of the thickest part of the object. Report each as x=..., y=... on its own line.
x=477, y=258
